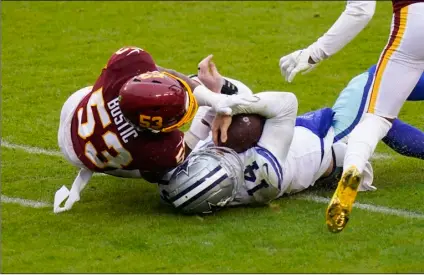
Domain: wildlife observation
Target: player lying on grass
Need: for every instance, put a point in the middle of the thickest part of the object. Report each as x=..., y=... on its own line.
x=127, y=124
x=289, y=157
x=213, y=177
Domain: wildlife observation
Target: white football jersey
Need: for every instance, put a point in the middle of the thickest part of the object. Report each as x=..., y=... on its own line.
x=266, y=178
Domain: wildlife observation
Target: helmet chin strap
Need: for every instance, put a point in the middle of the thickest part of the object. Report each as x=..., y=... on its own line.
x=187, y=102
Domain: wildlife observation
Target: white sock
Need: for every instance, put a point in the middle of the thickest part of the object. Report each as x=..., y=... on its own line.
x=339, y=152
x=363, y=140
x=198, y=130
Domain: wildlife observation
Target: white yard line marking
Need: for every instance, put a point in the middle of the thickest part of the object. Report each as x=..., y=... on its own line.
x=24, y=202
x=38, y=204
x=29, y=149
x=36, y=150
x=368, y=207
x=381, y=156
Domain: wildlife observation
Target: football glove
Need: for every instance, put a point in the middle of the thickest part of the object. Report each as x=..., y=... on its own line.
x=296, y=62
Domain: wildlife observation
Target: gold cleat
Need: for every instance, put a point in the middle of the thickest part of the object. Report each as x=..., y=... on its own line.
x=341, y=203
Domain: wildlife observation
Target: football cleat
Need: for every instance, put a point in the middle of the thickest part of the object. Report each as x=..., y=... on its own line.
x=341, y=203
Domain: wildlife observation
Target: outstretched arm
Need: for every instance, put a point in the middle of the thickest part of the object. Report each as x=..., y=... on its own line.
x=351, y=22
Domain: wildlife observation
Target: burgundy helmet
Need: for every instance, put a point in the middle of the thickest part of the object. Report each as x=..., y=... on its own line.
x=157, y=101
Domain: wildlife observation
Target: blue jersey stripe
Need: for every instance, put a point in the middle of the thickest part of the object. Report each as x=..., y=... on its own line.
x=274, y=163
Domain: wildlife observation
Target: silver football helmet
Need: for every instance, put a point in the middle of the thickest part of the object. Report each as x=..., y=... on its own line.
x=206, y=181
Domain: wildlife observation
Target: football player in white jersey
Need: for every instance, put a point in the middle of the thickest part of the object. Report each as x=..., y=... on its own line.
x=290, y=156
x=286, y=160
x=399, y=68
x=214, y=177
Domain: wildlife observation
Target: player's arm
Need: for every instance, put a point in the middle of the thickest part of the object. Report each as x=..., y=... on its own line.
x=201, y=124
x=280, y=109
x=199, y=128
x=204, y=96
x=207, y=94
x=351, y=22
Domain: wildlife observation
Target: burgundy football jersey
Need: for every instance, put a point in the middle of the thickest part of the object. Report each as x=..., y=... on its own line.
x=399, y=4
x=102, y=138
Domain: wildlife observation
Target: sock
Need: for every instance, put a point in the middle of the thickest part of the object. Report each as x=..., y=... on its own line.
x=339, y=149
x=364, y=139
x=405, y=139
x=199, y=130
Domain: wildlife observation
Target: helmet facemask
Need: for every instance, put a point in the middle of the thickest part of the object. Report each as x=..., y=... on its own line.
x=206, y=181
x=231, y=161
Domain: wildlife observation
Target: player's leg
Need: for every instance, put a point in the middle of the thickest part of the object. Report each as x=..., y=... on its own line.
x=353, y=101
x=417, y=93
x=400, y=66
x=351, y=105
x=66, y=146
x=64, y=132
x=405, y=139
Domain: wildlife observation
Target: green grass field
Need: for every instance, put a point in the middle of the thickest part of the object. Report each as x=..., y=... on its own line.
x=51, y=49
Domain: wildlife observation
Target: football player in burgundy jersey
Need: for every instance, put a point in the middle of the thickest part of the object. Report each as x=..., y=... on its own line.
x=127, y=124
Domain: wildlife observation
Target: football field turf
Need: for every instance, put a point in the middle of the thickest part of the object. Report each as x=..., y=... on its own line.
x=51, y=49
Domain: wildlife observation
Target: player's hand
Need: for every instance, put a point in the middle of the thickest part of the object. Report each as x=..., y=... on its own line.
x=208, y=74
x=232, y=103
x=220, y=126
x=295, y=62
x=190, y=82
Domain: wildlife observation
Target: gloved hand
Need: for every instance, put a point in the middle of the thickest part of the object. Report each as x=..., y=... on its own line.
x=296, y=62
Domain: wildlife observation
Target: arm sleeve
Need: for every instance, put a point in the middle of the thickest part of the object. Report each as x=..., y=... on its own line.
x=206, y=97
x=201, y=123
x=351, y=22
x=280, y=109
